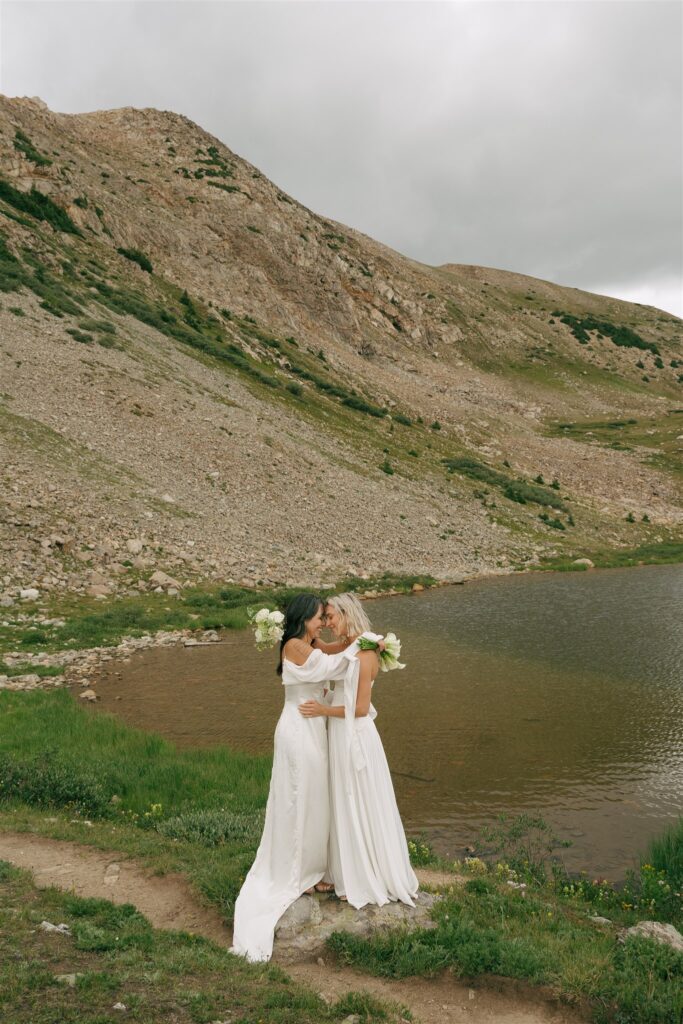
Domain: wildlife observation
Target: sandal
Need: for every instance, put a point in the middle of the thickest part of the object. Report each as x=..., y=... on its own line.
x=324, y=887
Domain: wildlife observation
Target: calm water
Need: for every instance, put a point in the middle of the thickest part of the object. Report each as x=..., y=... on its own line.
x=560, y=694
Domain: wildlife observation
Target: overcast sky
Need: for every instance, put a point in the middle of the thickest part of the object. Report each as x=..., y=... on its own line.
x=543, y=137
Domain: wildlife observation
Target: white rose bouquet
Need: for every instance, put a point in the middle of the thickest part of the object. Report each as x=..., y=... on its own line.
x=388, y=658
x=267, y=627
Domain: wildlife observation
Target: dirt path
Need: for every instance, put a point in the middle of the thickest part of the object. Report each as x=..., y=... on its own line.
x=168, y=902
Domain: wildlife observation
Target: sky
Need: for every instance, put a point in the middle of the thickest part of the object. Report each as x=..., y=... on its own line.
x=540, y=136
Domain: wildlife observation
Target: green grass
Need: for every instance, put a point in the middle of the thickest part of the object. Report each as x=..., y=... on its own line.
x=665, y=853
x=157, y=975
x=484, y=927
x=650, y=553
x=518, y=490
x=655, y=439
x=55, y=755
x=89, y=623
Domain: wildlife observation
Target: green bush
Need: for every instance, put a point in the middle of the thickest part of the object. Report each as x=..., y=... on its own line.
x=84, y=339
x=556, y=524
x=12, y=272
x=23, y=144
x=49, y=780
x=353, y=402
x=622, y=336
x=135, y=256
x=212, y=827
x=387, y=468
x=38, y=206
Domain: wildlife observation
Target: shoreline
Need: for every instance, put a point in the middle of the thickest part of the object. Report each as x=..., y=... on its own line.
x=67, y=666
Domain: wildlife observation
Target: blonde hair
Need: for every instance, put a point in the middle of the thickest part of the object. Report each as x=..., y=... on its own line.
x=353, y=617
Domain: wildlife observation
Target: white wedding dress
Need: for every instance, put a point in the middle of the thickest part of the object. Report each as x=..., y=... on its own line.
x=293, y=852
x=368, y=857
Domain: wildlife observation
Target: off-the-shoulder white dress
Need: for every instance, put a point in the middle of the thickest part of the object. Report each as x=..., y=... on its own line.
x=368, y=859
x=293, y=852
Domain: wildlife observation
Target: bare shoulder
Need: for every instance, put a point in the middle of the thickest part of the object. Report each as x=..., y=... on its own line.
x=297, y=651
x=369, y=661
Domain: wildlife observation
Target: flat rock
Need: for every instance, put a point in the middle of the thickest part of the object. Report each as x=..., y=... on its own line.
x=303, y=930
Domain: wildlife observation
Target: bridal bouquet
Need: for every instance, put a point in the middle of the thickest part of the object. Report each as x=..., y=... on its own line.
x=388, y=658
x=267, y=627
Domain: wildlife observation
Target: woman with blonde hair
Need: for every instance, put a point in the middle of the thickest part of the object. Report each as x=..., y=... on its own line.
x=368, y=853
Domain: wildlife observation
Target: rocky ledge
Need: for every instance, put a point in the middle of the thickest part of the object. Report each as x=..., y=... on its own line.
x=303, y=931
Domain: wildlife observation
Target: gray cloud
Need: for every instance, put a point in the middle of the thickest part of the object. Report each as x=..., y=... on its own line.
x=538, y=137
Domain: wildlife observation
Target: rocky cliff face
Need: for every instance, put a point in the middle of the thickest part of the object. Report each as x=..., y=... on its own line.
x=201, y=375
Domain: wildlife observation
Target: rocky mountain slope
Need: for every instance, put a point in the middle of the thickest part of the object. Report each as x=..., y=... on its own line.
x=201, y=376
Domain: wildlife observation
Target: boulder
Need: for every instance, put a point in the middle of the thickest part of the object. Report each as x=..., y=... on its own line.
x=134, y=545
x=303, y=930
x=658, y=932
x=161, y=579
x=29, y=594
x=584, y=561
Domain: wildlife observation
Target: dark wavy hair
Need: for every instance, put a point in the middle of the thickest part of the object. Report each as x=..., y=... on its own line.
x=297, y=613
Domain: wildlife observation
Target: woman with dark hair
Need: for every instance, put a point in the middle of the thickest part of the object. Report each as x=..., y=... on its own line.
x=292, y=856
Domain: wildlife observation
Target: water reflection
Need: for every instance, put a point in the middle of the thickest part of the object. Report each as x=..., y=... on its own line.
x=559, y=693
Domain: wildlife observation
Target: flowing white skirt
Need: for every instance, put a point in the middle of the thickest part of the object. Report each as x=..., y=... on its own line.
x=369, y=861
x=292, y=855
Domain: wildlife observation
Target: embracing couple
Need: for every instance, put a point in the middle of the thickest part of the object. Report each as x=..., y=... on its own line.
x=332, y=824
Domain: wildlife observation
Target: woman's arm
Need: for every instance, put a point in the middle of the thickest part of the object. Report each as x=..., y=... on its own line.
x=336, y=648
x=314, y=709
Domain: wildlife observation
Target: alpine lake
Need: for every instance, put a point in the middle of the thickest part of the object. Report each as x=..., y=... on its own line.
x=550, y=694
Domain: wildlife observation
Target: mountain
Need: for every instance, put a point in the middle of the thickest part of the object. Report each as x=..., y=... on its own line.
x=198, y=374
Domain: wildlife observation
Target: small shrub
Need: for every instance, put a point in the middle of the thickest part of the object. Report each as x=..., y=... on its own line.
x=387, y=468
x=399, y=417
x=213, y=827
x=435, y=425
x=527, y=844
x=38, y=206
x=23, y=144
x=353, y=402
x=50, y=781
x=80, y=336
x=556, y=524
x=135, y=256
x=82, y=202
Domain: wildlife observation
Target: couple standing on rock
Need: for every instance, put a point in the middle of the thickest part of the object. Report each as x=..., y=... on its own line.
x=332, y=824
